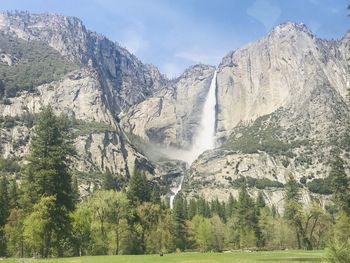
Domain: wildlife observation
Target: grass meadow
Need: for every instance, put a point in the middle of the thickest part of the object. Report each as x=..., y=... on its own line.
x=229, y=257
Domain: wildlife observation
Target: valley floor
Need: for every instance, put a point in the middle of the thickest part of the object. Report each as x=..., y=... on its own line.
x=241, y=257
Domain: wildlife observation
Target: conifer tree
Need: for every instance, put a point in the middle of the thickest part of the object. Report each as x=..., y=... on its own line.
x=179, y=220
x=340, y=185
x=109, y=182
x=155, y=194
x=4, y=212
x=47, y=172
x=138, y=189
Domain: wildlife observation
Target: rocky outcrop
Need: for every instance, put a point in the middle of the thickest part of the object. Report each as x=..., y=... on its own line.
x=276, y=71
x=99, y=141
x=125, y=80
x=172, y=115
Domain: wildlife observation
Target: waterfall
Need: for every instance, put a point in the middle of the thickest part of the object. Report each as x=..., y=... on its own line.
x=175, y=190
x=205, y=137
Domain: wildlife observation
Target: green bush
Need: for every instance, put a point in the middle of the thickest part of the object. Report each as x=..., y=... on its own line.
x=321, y=186
x=9, y=165
x=338, y=253
x=26, y=119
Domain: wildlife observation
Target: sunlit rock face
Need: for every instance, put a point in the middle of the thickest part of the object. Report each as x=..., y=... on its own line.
x=279, y=70
x=125, y=80
x=282, y=108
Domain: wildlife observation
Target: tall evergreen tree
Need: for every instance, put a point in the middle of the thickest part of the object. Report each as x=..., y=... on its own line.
x=192, y=209
x=108, y=182
x=293, y=210
x=4, y=212
x=231, y=206
x=340, y=185
x=138, y=189
x=155, y=194
x=247, y=216
x=179, y=219
x=47, y=174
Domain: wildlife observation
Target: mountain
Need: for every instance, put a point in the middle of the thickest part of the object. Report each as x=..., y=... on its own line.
x=281, y=106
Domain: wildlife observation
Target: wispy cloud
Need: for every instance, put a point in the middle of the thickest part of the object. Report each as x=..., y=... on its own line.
x=200, y=57
x=133, y=41
x=172, y=70
x=266, y=12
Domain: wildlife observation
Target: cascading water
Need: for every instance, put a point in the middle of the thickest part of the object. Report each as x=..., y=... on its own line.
x=175, y=190
x=205, y=138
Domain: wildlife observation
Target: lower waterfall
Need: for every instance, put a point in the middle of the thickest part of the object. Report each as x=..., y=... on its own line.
x=205, y=137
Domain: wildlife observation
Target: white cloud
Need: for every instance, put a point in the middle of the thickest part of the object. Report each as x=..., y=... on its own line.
x=199, y=57
x=266, y=12
x=133, y=41
x=171, y=69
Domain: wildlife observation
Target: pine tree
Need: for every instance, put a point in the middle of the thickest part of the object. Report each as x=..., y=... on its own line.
x=4, y=212
x=247, y=218
x=192, y=209
x=138, y=189
x=293, y=208
x=109, y=182
x=13, y=194
x=4, y=200
x=179, y=219
x=231, y=206
x=47, y=174
x=340, y=185
x=155, y=194
x=260, y=201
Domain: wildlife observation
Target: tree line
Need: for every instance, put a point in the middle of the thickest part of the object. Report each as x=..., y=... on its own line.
x=43, y=216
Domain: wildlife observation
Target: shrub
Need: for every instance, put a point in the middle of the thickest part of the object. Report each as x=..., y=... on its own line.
x=321, y=186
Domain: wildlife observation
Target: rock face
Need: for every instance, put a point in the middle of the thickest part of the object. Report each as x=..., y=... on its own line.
x=282, y=108
x=99, y=142
x=124, y=79
x=277, y=71
x=172, y=115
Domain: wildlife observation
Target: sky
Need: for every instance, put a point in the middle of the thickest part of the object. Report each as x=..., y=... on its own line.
x=174, y=34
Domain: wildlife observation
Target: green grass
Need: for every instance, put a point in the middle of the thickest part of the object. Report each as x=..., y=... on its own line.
x=241, y=257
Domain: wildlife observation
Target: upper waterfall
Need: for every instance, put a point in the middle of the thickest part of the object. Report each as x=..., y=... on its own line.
x=205, y=137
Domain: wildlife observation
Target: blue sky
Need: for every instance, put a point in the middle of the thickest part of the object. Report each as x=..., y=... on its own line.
x=174, y=34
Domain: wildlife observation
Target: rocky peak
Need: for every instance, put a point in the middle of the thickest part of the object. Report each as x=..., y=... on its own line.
x=275, y=71
x=125, y=79
x=291, y=28
x=195, y=70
